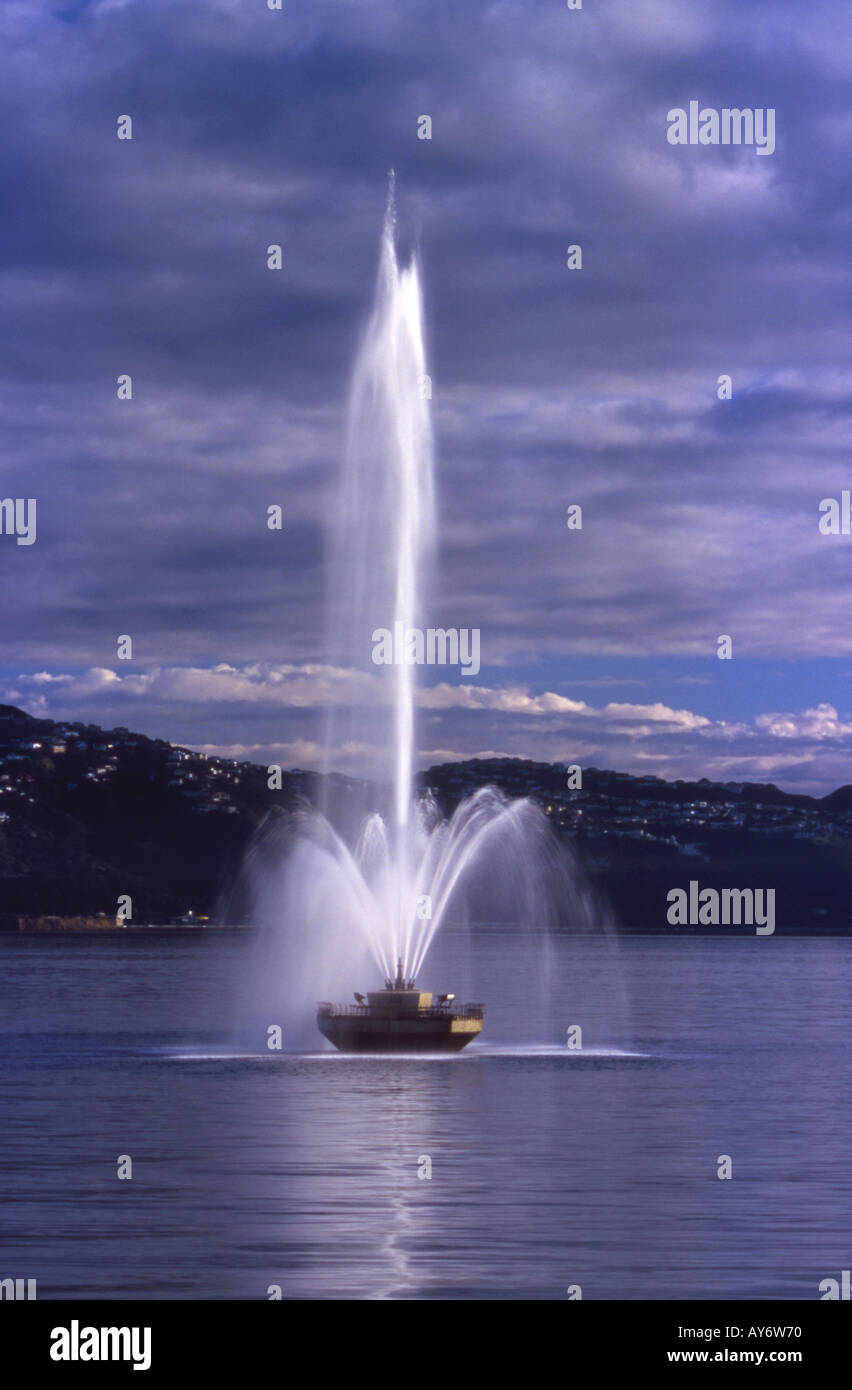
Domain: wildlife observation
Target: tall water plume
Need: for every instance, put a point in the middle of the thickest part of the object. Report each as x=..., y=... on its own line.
x=348, y=901
x=383, y=548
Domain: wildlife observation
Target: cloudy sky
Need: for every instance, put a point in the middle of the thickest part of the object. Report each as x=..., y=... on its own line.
x=551, y=386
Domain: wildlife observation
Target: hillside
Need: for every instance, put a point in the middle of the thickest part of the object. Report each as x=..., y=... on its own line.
x=87, y=814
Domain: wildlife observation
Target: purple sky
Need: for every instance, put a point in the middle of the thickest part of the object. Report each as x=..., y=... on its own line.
x=550, y=386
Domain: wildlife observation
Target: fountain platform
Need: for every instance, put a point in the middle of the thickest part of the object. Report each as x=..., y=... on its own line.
x=400, y=1018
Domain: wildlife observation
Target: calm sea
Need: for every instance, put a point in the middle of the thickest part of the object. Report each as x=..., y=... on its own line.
x=550, y=1167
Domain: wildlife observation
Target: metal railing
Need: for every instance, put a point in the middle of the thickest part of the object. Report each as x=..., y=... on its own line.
x=367, y=1011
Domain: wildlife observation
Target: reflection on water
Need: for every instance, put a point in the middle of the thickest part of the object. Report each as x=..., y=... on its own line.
x=549, y=1167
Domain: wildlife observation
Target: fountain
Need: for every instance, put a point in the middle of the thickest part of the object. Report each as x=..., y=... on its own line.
x=379, y=904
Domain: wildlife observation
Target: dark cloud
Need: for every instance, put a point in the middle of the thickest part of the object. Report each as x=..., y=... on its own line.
x=597, y=387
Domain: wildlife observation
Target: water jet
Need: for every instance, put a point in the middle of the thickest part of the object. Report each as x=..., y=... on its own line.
x=350, y=894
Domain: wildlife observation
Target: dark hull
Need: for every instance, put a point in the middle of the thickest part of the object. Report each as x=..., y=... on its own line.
x=398, y=1034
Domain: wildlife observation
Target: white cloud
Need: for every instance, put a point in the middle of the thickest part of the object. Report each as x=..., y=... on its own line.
x=808, y=750
x=822, y=722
